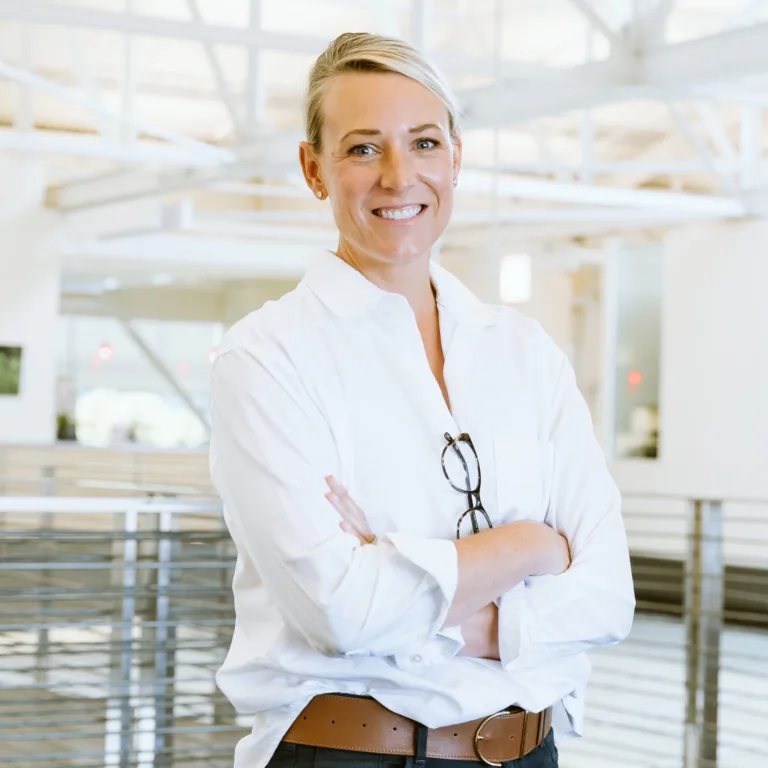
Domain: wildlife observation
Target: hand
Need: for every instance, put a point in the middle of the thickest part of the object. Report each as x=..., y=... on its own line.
x=481, y=634
x=353, y=518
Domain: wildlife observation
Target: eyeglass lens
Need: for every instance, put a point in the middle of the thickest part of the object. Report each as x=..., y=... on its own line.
x=462, y=467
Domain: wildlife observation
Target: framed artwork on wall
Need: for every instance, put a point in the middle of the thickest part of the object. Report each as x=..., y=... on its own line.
x=10, y=370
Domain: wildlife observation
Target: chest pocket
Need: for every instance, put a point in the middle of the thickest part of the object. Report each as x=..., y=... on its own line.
x=524, y=469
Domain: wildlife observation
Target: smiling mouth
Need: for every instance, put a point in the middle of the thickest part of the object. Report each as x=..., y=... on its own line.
x=399, y=214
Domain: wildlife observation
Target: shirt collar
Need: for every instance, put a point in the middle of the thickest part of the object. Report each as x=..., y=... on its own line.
x=347, y=293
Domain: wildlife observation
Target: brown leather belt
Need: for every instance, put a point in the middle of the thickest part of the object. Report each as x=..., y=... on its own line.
x=363, y=725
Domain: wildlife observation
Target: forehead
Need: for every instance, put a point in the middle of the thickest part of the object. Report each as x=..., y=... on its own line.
x=382, y=101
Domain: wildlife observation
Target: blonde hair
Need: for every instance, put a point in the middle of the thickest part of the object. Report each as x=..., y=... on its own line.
x=364, y=52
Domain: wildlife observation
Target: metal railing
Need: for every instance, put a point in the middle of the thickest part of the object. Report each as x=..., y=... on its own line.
x=116, y=612
x=689, y=687
x=115, y=615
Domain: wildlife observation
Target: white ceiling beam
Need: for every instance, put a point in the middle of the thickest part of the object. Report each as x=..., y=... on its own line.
x=421, y=26
x=723, y=57
x=655, y=167
x=752, y=136
x=316, y=236
x=589, y=85
x=662, y=71
x=658, y=20
x=192, y=146
x=597, y=22
x=48, y=13
x=24, y=113
x=263, y=190
x=695, y=139
x=716, y=131
x=314, y=216
x=225, y=92
x=183, y=253
x=482, y=182
x=60, y=143
x=571, y=214
x=271, y=156
x=128, y=82
x=255, y=87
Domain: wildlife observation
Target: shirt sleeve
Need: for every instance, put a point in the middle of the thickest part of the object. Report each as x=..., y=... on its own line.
x=271, y=449
x=592, y=603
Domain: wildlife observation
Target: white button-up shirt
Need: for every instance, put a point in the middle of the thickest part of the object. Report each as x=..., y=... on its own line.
x=333, y=379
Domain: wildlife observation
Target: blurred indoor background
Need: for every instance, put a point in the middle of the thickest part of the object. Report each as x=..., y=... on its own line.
x=615, y=187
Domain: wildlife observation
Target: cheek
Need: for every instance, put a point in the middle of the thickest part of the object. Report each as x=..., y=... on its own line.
x=351, y=187
x=439, y=176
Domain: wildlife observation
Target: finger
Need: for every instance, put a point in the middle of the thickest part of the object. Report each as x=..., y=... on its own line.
x=338, y=489
x=347, y=528
x=348, y=519
x=346, y=504
x=350, y=512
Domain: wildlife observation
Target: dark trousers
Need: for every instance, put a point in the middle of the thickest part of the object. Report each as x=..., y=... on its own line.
x=299, y=756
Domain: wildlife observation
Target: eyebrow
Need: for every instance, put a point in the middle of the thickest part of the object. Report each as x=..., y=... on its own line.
x=375, y=132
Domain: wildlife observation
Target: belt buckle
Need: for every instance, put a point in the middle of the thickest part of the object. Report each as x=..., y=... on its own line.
x=479, y=737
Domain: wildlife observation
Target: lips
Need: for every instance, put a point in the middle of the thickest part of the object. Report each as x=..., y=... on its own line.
x=403, y=213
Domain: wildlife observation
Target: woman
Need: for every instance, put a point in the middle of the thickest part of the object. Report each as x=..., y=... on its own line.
x=428, y=537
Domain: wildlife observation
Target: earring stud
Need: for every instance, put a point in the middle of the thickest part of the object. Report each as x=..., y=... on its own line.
x=319, y=193
x=455, y=182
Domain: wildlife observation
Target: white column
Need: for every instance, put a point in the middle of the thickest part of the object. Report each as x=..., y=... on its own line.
x=714, y=399
x=29, y=301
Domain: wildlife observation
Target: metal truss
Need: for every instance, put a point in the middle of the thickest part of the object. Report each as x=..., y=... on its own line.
x=640, y=65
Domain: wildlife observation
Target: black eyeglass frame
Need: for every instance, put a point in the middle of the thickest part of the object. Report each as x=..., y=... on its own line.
x=473, y=494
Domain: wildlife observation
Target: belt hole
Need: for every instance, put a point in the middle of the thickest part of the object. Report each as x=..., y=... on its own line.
x=333, y=722
x=363, y=725
x=394, y=729
x=455, y=734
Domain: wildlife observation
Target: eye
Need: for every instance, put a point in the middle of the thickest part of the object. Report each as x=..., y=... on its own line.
x=361, y=150
x=426, y=143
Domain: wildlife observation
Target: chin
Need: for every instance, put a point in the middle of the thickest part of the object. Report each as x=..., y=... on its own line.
x=403, y=252
x=402, y=255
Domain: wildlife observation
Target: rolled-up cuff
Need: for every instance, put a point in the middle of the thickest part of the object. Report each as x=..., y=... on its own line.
x=444, y=646
x=513, y=630
x=438, y=559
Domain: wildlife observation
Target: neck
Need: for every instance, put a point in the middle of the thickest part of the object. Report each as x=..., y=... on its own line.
x=409, y=280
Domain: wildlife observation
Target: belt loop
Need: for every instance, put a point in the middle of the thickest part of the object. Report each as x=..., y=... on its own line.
x=422, y=734
x=525, y=734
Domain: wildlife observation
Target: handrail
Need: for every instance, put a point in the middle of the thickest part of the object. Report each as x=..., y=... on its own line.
x=103, y=505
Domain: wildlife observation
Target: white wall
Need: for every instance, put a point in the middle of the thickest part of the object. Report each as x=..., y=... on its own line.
x=29, y=310
x=714, y=396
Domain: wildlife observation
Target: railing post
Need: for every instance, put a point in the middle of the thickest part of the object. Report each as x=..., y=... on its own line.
x=119, y=709
x=165, y=642
x=48, y=488
x=704, y=591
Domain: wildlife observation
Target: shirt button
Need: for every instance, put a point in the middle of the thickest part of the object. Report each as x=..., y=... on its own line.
x=416, y=659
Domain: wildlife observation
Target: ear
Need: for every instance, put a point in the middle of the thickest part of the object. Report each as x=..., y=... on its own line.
x=310, y=165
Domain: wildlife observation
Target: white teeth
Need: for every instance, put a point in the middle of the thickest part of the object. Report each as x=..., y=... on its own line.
x=399, y=213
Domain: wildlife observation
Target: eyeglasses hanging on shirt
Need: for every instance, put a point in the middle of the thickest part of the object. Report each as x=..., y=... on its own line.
x=461, y=467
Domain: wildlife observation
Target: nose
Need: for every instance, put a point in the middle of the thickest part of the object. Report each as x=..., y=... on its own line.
x=398, y=172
